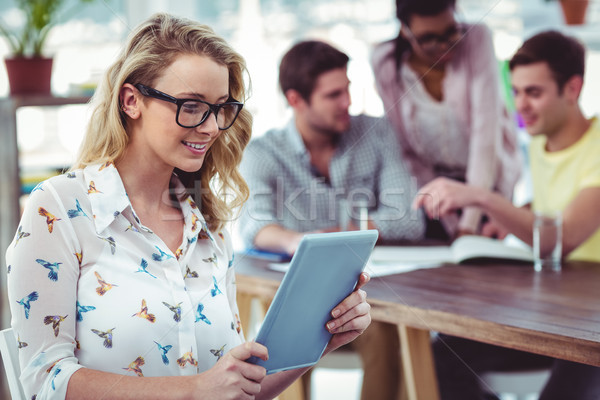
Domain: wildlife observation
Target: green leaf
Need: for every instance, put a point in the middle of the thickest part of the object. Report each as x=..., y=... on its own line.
x=40, y=17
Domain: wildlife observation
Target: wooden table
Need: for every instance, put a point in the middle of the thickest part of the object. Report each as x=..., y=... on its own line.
x=553, y=314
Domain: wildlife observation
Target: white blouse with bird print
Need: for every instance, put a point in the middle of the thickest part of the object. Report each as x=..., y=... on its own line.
x=90, y=286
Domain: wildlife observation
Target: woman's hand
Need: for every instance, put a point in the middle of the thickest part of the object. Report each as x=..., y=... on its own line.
x=442, y=196
x=351, y=317
x=232, y=377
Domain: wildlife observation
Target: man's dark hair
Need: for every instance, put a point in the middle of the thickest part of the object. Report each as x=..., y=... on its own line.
x=302, y=65
x=564, y=55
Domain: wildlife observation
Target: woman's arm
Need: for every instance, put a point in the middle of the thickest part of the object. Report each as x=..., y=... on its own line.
x=42, y=291
x=230, y=378
x=393, y=216
x=487, y=120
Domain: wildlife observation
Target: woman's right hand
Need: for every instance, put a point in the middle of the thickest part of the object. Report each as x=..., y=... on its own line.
x=232, y=377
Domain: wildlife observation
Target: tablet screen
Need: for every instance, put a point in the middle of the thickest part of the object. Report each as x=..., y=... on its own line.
x=323, y=271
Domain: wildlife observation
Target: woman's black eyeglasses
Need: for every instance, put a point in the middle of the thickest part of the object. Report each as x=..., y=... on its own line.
x=193, y=112
x=431, y=42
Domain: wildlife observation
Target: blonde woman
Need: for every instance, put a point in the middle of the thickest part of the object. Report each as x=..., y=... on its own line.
x=121, y=282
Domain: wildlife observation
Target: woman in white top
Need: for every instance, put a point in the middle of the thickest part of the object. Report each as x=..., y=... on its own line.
x=440, y=88
x=120, y=275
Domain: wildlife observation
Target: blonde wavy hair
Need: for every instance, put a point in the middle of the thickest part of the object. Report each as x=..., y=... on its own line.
x=150, y=49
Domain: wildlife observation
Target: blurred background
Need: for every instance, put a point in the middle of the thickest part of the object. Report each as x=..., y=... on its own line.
x=88, y=36
x=87, y=39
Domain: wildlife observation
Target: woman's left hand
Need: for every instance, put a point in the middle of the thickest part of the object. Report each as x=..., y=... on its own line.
x=351, y=317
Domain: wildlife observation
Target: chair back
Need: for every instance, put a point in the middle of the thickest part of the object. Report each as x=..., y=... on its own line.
x=10, y=357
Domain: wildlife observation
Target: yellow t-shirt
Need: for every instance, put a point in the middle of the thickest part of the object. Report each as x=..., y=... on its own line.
x=559, y=176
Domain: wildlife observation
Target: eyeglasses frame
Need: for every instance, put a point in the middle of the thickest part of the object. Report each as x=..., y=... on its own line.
x=439, y=39
x=212, y=108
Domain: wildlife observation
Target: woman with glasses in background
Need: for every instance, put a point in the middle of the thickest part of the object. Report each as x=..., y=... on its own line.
x=439, y=83
x=121, y=280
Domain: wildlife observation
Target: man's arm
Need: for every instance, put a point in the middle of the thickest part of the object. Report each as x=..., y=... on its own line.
x=580, y=218
x=277, y=239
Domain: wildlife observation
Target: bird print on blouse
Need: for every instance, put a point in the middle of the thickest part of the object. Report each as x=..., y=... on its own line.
x=136, y=365
x=178, y=253
x=144, y=268
x=53, y=267
x=189, y=273
x=21, y=344
x=192, y=203
x=39, y=186
x=195, y=220
x=203, y=234
x=218, y=352
x=26, y=302
x=212, y=259
x=161, y=255
x=55, y=320
x=104, y=286
x=54, y=374
x=92, y=188
x=82, y=309
x=163, y=352
x=105, y=165
x=200, y=316
x=238, y=323
x=107, y=336
x=175, y=309
x=132, y=228
x=20, y=235
x=79, y=256
x=77, y=212
x=52, y=366
x=187, y=357
x=143, y=313
x=111, y=241
x=215, y=290
x=50, y=218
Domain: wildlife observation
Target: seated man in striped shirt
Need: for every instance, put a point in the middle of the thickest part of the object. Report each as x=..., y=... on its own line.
x=324, y=171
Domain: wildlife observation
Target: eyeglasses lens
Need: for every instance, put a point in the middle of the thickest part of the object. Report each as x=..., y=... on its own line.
x=450, y=37
x=194, y=113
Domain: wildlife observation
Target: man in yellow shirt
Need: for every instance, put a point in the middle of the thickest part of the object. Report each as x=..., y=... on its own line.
x=547, y=77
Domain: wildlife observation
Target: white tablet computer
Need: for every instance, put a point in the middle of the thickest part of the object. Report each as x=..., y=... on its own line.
x=323, y=271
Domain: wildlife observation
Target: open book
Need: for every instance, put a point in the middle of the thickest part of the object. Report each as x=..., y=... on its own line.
x=388, y=260
x=481, y=248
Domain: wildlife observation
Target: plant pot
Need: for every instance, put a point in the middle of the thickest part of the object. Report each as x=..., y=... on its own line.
x=574, y=11
x=29, y=76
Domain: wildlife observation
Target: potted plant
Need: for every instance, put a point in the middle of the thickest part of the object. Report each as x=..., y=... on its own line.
x=29, y=71
x=574, y=11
